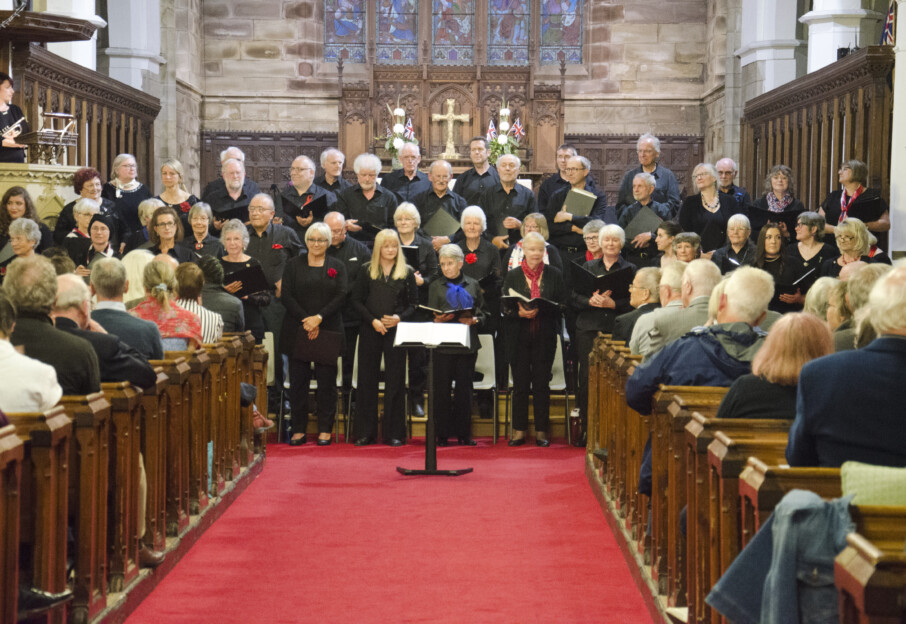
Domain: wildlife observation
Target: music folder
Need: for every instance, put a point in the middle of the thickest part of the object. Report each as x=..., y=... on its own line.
x=790, y=289
x=579, y=202
x=530, y=302
x=645, y=221
x=253, y=280
x=459, y=313
x=411, y=254
x=441, y=224
x=325, y=349
x=317, y=207
x=587, y=283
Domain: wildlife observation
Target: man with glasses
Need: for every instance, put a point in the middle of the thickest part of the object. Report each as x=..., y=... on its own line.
x=290, y=202
x=726, y=173
x=558, y=180
x=367, y=206
x=641, y=250
x=408, y=182
x=507, y=203
x=470, y=184
x=644, y=296
x=440, y=197
x=231, y=200
x=666, y=189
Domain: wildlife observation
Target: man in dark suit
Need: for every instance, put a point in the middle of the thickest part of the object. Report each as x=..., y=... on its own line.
x=31, y=285
x=644, y=296
x=849, y=405
x=216, y=299
x=109, y=283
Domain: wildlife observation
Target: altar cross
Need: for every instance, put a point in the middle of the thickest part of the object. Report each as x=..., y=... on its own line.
x=450, y=118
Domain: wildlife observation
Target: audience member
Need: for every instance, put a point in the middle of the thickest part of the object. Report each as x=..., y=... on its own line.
x=179, y=328
x=189, y=285
x=816, y=301
x=670, y=291
x=860, y=333
x=215, y=298
x=644, y=296
x=109, y=284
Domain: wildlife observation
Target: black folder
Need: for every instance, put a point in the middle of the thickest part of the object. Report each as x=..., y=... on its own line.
x=441, y=224
x=316, y=207
x=325, y=349
x=530, y=303
x=646, y=220
x=252, y=278
x=463, y=312
x=411, y=253
x=790, y=289
x=587, y=283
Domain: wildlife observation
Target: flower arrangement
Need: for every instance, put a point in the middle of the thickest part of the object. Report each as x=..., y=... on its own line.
x=400, y=134
x=506, y=141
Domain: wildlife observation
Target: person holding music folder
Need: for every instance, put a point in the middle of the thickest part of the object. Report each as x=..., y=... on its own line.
x=385, y=294
x=531, y=304
x=808, y=253
x=313, y=291
x=367, y=206
x=708, y=211
x=597, y=308
x=12, y=123
x=507, y=203
x=778, y=204
x=566, y=227
x=302, y=202
x=459, y=299
x=739, y=250
x=201, y=242
x=667, y=189
x=641, y=246
x=234, y=237
x=439, y=197
x=482, y=259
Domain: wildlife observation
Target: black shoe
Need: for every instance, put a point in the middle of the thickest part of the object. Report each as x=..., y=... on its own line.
x=298, y=441
x=540, y=440
x=365, y=441
x=395, y=442
x=442, y=442
x=466, y=441
x=323, y=442
x=33, y=600
x=516, y=442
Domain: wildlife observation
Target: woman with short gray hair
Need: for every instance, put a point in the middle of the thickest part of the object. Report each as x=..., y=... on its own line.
x=24, y=237
x=235, y=238
x=200, y=242
x=739, y=250
x=708, y=211
x=808, y=254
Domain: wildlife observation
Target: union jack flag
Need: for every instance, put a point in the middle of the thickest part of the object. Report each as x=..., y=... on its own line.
x=492, y=131
x=409, y=132
x=888, y=37
x=517, y=129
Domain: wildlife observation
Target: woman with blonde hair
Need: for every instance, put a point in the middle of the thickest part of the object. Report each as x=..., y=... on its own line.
x=175, y=195
x=534, y=222
x=179, y=328
x=384, y=294
x=770, y=390
x=854, y=243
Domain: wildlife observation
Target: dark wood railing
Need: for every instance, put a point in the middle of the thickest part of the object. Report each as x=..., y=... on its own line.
x=111, y=117
x=814, y=123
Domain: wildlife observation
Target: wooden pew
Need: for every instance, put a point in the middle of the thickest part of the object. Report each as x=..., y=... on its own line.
x=125, y=432
x=762, y=485
x=44, y=504
x=246, y=374
x=672, y=404
x=12, y=452
x=89, y=483
x=154, y=419
x=259, y=374
x=233, y=346
x=177, y=459
x=597, y=412
x=870, y=573
x=217, y=353
x=612, y=406
x=700, y=432
x=634, y=429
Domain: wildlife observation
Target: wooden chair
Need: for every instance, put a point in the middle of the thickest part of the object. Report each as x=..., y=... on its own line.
x=12, y=452
x=177, y=442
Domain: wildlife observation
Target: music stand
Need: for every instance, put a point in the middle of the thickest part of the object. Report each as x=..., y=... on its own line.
x=448, y=338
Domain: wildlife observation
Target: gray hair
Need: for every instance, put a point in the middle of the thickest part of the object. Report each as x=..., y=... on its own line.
x=593, y=227
x=748, y=291
x=647, y=178
x=445, y=163
x=586, y=164
x=816, y=299
x=230, y=161
x=650, y=279
x=23, y=226
x=813, y=220
x=451, y=250
x=655, y=142
x=72, y=292
x=703, y=275
x=729, y=160
x=612, y=231
x=407, y=209
x=235, y=225
x=688, y=237
x=474, y=211
x=306, y=159
x=266, y=197
x=134, y=262
x=31, y=284
x=859, y=286
x=147, y=207
x=514, y=157
x=367, y=162
x=108, y=276
x=739, y=220
x=85, y=206
x=672, y=275
x=534, y=237
x=318, y=228
x=225, y=154
x=710, y=170
x=203, y=208
x=119, y=160
x=331, y=150
x=887, y=301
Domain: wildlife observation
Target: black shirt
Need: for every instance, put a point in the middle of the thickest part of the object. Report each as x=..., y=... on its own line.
x=210, y=246
x=548, y=188
x=374, y=298
x=499, y=204
x=308, y=291
x=339, y=185
x=471, y=184
x=752, y=396
x=377, y=211
x=8, y=118
x=276, y=245
x=601, y=319
x=353, y=254
x=66, y=221
x=224, y=206
x=428, y=203
x=406, y=190
x=561, y=234
x=126, y=204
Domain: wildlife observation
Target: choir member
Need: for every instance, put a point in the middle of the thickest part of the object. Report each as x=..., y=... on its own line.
x=726, y=173
x=78, y=241
x=407, y=181
x=290, y=202
x=175, y=194
x=558, y=180
x=666, y=191
x=779, y=198
x=231, y=199
x=332, y=161
x=507, y=203
x=201, y=242
x=165, y=232
x=739, y=250
x=126, y=192
x=534, y=222
x=234, y=236
x=666, y=232
x=687, y=246
x=854, y=245
x=86, y=182
x=366, y=205
x=17, y=203
x=855, y=200
x=708, y=211
x=470, y=184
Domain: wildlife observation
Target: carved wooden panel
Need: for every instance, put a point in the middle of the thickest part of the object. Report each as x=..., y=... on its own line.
x=268, y=155
x=612, y=156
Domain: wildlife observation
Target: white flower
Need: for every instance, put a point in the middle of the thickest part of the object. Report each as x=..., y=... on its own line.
x=504, y=112
x=502, y=139
x=398, y=143
x=399, y=112
x=504, y=126
x=398, y=129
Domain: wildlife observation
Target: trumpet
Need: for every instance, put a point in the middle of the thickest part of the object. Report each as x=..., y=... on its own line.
x=12, y=130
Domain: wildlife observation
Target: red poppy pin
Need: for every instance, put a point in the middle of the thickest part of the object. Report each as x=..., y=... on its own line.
x=331, y=272
x=278, y=246
x=185, y=206
x=471, y=258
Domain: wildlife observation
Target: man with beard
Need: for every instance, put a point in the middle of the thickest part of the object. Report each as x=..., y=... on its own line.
x=230, y=201
x=367, y=206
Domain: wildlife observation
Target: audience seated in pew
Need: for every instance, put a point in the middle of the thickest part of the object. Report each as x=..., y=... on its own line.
x=853, y=333
x=36, y=388
x=189, y=284
x=816, y=301
x=176, y=324
x=670, y=290
x=644, y=296
x=216, y=299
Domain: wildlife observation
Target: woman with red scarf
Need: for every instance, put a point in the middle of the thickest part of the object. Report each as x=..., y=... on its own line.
x=854, y=200
x=532, y=331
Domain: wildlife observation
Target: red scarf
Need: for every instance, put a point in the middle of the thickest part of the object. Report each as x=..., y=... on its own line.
x=534, y=278
x=845, y=204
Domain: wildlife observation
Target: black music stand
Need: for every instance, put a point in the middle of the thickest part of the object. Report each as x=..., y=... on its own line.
x=449, y=338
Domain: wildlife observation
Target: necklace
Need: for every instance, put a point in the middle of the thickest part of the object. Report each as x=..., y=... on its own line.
x=713, y=205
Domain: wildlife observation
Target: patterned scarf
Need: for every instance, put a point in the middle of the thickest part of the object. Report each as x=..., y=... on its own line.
x=779, y=205
x=534, y=278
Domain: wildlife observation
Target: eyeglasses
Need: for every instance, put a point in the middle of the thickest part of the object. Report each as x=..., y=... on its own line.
x=634, y=287
x=258, y=209
x=168, y=224
x=574, y=169
x=701, y=175
x=590, y=238
x=319, y=241
x=201, y=219
x=846, y=238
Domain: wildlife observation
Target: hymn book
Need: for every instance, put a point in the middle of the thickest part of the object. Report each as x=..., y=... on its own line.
x=433, y=335
x=579, y=202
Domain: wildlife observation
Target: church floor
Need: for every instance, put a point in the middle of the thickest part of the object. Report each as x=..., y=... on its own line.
x=335, y=534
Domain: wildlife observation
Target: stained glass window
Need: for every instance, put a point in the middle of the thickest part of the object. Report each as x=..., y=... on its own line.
x=561, y=31
x=344, y=30
x=452, y=32
x=509, y=23
x=397, y=32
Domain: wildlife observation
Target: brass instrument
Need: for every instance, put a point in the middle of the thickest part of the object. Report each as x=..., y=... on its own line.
x=12, y=130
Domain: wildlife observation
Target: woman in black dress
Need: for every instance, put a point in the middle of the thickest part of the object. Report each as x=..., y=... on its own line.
x=17, y=203
x=532, y=331
x=86, y=182
x=12, y=121
x=855, y=200
x=739, y=250
x=200, y=242
x=454, y=290
x=175, y=194
x=234, y=236
x=165, y=232
x=126, y=192
x=779, y=203
x=78, y=241
x=806, y=256
x=99, y=231
x=313, y=291
x=384, y=294
x=770, y=257
x=707, y=212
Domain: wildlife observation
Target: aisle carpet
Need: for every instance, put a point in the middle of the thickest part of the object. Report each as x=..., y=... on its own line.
x=335, y=534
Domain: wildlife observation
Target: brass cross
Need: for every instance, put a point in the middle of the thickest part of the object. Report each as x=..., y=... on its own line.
x=450, y=118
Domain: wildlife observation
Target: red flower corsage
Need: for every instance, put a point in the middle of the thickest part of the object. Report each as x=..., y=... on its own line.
x=278, y=246
x=185, y=206
x=471, y=258
x=331, y=272
x=199, y=246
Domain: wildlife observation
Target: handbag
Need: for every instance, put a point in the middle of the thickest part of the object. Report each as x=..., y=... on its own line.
x=325, y=349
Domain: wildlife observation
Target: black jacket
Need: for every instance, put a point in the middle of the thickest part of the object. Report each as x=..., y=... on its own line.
x=307, y=291
x=117, y=360
x=71, y=356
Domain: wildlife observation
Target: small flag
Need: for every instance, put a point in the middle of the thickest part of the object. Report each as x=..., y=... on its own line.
x=492, y=131
x=389, y=133
x=409, y=132
x=888, y=37
x=517, y=130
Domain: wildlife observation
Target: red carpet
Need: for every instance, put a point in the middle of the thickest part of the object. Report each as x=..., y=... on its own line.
x=335, y=534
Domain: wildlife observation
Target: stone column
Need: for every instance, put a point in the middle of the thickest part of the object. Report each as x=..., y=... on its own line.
x=773, y=50
x=82, y=52
x=897, y=240
x=834, y=24
x=132, y=55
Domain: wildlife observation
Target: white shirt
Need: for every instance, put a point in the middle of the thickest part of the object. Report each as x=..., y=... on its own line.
x=28, y=385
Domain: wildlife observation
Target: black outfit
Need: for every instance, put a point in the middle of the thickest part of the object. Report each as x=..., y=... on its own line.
x=693, y=217
x=8, y=118
x=830, y=268
x=353, y=254
x=571, y=244
x=250, y=187
x=548, y=188
x=485, y=267
x=666, y=188
x=141, y=335
x=216, y=299
x=453, y=418
x=752, y=396
x=799, y=266
x=339, y=185
x=375, y=298
x=499, y=204
x=470, y=184
x=180, y=252
x=136, y=239
x=760, y=215
x=624, y=324
x=406, y=190
x=126, y=205
x=308, y=291
x=728, y=259
x=531, y=346
x=224, y=206
x=253, y=305
x=590, y=321
x=77, y=246
x=740, y=196
x=66, y=222
x=428, y=203
x=553, y=256
x=72, y=357
x=642, y=256
x=867, y=207
x=289, y=204
x=116, y=359
x=377, y=211
x=782, y=273
x=210, y=246
x=182, y=209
